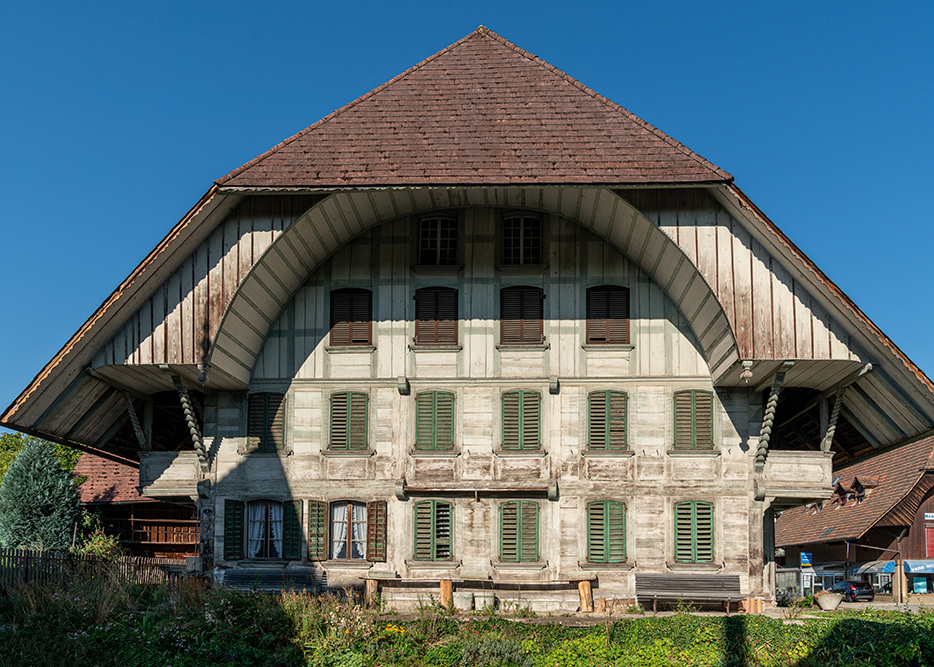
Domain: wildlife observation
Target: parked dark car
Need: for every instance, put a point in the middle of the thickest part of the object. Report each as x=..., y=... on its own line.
x=855, y=590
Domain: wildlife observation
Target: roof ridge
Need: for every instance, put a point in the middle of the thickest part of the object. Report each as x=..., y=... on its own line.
x=671, y=141
x=285, y=142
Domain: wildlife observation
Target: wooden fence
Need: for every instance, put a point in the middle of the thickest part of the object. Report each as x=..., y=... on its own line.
x=22, y=566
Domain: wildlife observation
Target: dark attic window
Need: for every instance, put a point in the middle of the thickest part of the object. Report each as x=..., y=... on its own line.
x=437, y=242
x=522, y=240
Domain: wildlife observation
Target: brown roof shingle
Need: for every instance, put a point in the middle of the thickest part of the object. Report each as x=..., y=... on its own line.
x=480, y=112
x=107, y=481
x=895, y=473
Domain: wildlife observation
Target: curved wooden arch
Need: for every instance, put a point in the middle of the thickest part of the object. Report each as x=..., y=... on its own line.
x=311, y=239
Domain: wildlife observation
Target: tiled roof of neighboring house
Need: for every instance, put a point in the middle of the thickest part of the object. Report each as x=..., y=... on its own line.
x=480, y=112
x=107, y=481
x=895, y=473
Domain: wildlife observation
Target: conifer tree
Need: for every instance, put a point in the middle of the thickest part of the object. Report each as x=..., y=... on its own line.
x=38, y=502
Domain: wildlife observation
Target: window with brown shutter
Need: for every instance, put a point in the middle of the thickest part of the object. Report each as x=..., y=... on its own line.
x=436, y=316
x=376, y=530
x=437, y=242
x=607, y=315
x=266, y=422
x=522, y=420
x=521, y=313
x=349, y=430
x=693, y=419
x=351, y=317
x=522, y=240
x=607, y=421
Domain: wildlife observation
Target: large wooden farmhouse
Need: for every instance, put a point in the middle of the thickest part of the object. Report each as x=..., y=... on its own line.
x=481, y=325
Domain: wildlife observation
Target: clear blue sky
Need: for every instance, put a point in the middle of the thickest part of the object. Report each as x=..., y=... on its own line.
x=116, y=117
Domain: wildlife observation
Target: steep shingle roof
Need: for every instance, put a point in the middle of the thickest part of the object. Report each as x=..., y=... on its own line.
x=480, y=112
x=895, y=472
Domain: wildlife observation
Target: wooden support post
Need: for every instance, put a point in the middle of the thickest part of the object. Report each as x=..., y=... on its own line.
x=372, y=592
x=447, y=594
x=583, y=587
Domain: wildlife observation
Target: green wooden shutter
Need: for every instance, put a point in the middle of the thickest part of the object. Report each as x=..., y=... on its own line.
x=511, y=424
x=443, y=521
x=703, y=532
x=693, y=420
x=597, y=420
x=693, y=532
x=349, y=421
x=275, y=423
x=317, y=530
x=434, y=420
x=376, y=530
x=528, y=531
x=233, y=529
x=509, y=532
x=684, y=533
x=607, y=420
x=703, y=419
x=292, y=530
x=424, y=542
x=596, y=532
x=256, y=421
x=615, y=532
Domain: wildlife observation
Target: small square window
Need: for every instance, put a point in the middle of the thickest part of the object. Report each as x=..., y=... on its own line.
x=437, y=242
x=522, y=240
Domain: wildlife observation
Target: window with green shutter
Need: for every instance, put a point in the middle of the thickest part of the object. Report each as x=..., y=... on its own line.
x=292, y=531
x=433, y=530
x=693, y=419
x=518, y=531
x=607, y=421
x=266, y=422
x=349, y=421
x=606, y=532
x=434, y=420
x=522, y=420
x=693, y=532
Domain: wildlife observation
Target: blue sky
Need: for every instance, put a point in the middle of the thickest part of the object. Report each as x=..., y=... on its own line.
x=116, y=117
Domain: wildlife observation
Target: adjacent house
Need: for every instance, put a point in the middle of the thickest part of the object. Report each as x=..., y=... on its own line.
x=483, y=326
x=878, y=522
x=145, y=526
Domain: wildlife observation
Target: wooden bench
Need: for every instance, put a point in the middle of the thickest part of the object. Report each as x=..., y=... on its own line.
x=690, y=587
x=275, y=580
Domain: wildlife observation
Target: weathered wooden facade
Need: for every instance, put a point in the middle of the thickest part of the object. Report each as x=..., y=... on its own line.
x=481, y=325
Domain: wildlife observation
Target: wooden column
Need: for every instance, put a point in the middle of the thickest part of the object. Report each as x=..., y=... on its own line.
x=584, y=589
x=371, y=592
x=447, y=594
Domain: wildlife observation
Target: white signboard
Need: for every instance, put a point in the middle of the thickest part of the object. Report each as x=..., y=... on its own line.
x=929, y=516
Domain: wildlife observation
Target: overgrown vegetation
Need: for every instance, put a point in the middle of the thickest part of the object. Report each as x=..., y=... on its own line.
x=96, y=620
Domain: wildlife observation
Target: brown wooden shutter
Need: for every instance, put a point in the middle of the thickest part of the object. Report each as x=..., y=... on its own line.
x=351, y=317
x=684, y=420
x=521, y=313
x=233, y=529
x=376, y=530
x=436, y=316
x=292, y=530
x=608, y=314
x=317, y=530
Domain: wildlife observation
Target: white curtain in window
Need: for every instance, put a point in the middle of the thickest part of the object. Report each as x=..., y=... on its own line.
x=257, y=528
x=338, y=530
x=275, y=521
x=359, y=530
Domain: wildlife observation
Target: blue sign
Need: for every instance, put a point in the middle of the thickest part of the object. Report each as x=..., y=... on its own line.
x=807, y=558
